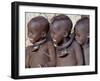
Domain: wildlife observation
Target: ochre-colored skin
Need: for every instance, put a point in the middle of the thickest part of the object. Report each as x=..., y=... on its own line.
x=73, y=58
x=82, y=36
x=60, y=29
x=44, y=56
x=37, y=28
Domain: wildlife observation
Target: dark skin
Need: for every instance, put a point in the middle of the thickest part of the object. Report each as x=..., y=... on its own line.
x=82, y=36
x=35, y=29
x=44, y=56
x=60, y=30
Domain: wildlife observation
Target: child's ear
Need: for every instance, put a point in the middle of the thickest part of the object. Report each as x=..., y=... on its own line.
x=43, y=34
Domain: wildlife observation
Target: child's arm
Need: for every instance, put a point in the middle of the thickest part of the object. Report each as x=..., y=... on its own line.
x=52, y=55
x=78, y=53
x=27, y=57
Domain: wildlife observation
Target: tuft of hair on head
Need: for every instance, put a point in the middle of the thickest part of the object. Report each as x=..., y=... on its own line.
x=42, y=21
x=83, y=24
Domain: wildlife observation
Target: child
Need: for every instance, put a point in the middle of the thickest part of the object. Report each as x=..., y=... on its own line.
x=60, y=29
x=41, y=53
x=82, y=37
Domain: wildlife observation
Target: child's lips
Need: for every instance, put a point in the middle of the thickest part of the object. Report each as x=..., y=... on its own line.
x=55, y=42
x=31, y=40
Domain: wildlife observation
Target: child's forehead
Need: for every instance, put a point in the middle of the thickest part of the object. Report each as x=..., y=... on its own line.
x=82, y=26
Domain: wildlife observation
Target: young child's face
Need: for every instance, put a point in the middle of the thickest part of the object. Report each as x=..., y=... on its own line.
x=81, y=36
x=34, y=32
x=82, y=30
x=57, y=31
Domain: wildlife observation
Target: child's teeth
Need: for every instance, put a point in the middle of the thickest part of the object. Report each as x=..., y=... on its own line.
x=54, y=40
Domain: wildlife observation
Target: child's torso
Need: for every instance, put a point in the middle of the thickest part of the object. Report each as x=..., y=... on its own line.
x=86, y=54
x=69, y=59
x=39, y=58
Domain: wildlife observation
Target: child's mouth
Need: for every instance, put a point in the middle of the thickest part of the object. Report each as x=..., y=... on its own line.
x=54, y=40
x=31, y=40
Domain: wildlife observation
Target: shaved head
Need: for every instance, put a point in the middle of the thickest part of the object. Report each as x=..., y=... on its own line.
x=40, y=22
x=38, y=28
x=62, y=21
x=83, y=25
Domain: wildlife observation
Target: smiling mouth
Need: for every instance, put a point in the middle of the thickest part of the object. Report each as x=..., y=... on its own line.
x=55, y=45
x=54, y=40
x=31, y=40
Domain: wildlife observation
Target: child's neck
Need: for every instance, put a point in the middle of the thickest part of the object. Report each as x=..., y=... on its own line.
x=65, y=40
x=41, y=41
x=37, y=44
